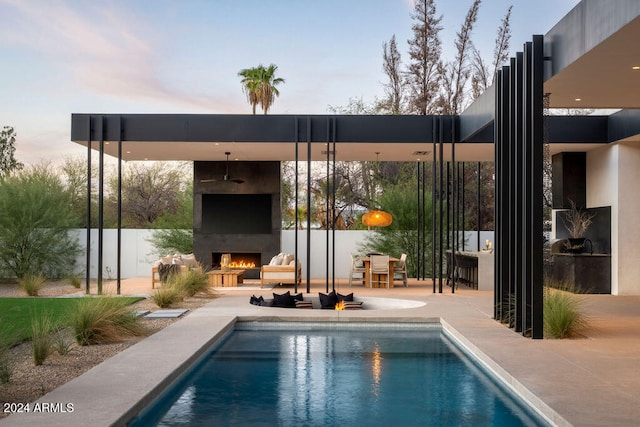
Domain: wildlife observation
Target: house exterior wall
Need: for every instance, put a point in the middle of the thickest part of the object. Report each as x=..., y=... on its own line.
x=628, y=219
x=602, y=190
x=138, y=255
x=613, y=174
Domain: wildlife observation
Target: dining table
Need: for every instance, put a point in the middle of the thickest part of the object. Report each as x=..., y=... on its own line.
x=366, y=260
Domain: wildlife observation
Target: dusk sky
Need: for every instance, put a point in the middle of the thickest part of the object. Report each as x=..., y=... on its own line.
x=132, y=56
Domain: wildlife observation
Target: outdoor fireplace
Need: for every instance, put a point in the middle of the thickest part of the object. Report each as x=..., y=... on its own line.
x=241, y=219
x=248, y=261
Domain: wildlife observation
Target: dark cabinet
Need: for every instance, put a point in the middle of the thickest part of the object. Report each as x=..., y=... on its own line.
x=588, y=273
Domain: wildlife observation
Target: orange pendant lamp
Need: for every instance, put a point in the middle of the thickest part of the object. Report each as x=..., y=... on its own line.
x=377, y=218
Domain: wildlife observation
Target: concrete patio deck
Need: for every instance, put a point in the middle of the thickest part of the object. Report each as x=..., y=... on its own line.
x=590, y=381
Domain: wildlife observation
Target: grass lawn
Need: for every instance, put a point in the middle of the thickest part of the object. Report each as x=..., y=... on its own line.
x=16, y=314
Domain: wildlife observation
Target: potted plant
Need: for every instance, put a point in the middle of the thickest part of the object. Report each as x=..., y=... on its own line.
x=576, y=221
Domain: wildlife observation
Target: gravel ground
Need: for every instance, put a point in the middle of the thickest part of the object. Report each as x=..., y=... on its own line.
x=29, y=382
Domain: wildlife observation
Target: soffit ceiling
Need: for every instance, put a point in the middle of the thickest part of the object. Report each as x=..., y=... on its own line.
x=604, y=76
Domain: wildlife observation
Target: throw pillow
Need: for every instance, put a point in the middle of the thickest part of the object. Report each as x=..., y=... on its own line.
x=298, y=297
x=304, y=304
x=287, y=259
x=328, y=300
x=283, y=300
x=353, y=305
x=277, y=260
x=348, y=297
x=190, y=260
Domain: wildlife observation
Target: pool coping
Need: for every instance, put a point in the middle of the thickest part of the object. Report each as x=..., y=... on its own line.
x=114, y=392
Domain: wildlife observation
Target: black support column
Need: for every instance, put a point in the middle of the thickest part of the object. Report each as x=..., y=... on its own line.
x=519, y=205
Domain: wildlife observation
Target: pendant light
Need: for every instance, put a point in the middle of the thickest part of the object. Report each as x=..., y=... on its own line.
x=377, y=217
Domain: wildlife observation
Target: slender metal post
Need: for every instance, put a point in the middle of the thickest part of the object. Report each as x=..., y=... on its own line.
x=88, y=226
x=440, y=202
x=333, y=210
x=478, y=208
x=328, y=214
x=119, y=249
x=454, y=203
x=308, y=204
x=295, y=208
x=418, y=220
x=433, y=204
x=463, y=210
x=101, y=205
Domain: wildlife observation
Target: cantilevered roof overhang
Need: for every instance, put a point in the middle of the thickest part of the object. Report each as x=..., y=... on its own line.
x=590, y=55
x=273, y=137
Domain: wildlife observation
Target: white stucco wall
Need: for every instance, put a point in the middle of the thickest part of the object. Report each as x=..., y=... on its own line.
x=602, y=190
x=138, y=254
x=613, y=177
x=629, y=219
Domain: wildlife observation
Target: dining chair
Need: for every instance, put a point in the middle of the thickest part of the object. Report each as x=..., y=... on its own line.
x=379, y=267
x=357, y=267
x=401, y=269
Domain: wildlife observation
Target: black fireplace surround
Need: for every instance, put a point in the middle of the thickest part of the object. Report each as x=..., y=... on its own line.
x=236, y=218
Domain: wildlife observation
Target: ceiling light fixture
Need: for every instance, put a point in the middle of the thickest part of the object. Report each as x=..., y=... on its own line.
x=377, y=217
x=578, y=99
x=636, y=67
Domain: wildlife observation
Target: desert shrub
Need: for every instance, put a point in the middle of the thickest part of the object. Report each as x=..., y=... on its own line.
x=191, y=282
x=34, y=223
x=563, y=316
x=6, y=364
x=32, y=284
x=104, y=320
x=74, y=280
x=167, y=295
x=60, y=342
x=171, y=240
x=41, y=337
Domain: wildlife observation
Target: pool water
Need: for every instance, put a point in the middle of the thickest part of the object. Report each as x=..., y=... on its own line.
x=337, y=377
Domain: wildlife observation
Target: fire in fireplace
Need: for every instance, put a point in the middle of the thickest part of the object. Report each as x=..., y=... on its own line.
x=248, y=261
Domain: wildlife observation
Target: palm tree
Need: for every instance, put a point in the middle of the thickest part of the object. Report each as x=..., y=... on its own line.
x=250, y=85
x=259, y=83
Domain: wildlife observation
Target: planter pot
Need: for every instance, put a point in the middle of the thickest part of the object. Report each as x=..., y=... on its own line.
x=576, y=246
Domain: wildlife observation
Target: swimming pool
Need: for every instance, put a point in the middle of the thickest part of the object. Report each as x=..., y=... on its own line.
x=274, y=375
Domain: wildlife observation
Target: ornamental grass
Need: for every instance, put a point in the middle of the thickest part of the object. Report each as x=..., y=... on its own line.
x=101, y=320
x=42, y=328
x=32, y=284
x=563, y=314
x=191, y=282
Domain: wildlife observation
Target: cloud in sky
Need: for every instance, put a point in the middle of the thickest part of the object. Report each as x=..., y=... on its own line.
x=131, y=56
x=106, y=49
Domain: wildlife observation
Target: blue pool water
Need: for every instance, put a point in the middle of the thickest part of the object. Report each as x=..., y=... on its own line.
x=337, y=378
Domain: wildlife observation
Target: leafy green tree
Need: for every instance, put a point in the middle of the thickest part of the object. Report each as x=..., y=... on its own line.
x=149, y=192
x=74, y=177
x=401, y=236
x=259, y=84
x=34, y=223
x=8, y=162
x=174, y=231
x=172, y=240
